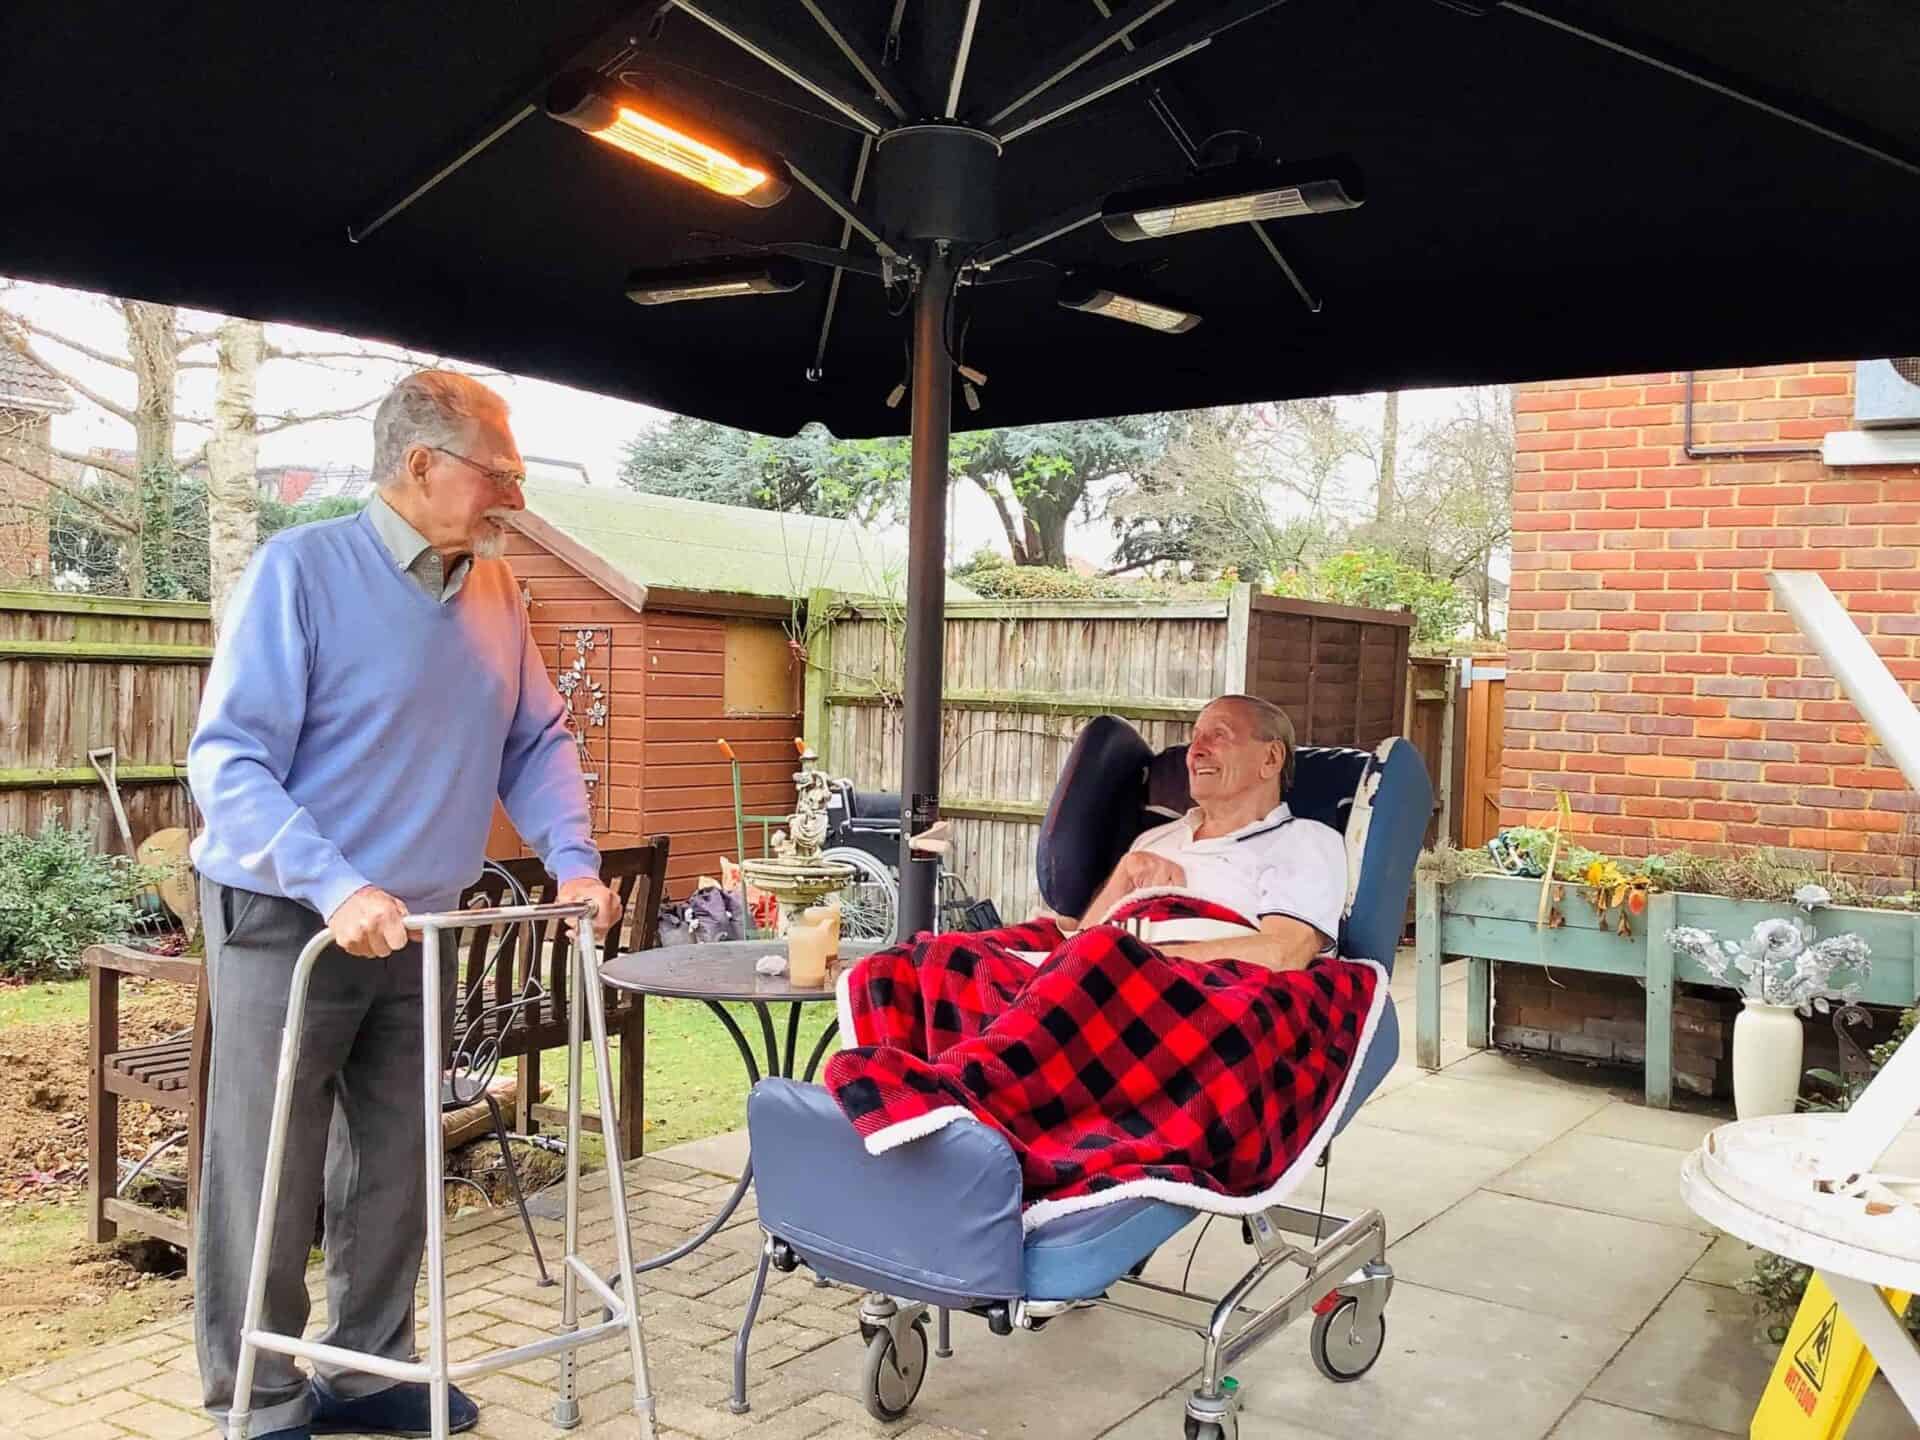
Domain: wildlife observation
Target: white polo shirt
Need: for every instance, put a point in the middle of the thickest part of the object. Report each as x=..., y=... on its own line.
x=1278, y=865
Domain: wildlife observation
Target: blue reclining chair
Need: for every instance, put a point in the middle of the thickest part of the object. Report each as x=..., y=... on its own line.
x=937, y=1223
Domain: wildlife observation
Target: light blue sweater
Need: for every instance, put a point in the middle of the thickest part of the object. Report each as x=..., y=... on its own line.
x=355, y=732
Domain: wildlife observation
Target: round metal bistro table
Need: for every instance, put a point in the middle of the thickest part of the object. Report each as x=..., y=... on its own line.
x=716, y=974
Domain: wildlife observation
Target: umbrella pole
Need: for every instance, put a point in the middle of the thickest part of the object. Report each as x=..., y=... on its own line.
x=926, y=583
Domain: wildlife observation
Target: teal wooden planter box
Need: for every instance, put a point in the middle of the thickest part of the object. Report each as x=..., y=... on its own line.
x=1494, y=917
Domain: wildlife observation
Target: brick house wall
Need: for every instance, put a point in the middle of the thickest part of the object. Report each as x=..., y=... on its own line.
x=1649, y=675
x=25, y=438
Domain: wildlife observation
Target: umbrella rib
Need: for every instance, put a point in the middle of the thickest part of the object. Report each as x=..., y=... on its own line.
x=1694, y=72
x=508, y=116
x=766, y=46
x=1052, y=228
x=1065, y=61
x=1091, y=85
x=961, y=53
x=1163, y=111
x=845, y=207
x=892, y=92
x=833, y=286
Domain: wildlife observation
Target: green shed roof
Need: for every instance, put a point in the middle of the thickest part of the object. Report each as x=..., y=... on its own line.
x=675, y=544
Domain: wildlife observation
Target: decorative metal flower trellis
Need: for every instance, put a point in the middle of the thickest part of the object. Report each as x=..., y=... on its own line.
x=583, y=683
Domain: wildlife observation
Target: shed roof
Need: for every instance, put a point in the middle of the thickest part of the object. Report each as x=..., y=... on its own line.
x=663, y=542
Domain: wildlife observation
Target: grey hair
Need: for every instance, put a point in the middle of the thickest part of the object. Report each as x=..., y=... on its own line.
x=427, y=408
x=1270, y=722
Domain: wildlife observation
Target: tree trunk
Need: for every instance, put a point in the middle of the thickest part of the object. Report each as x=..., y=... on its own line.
x=1015, y=535
x=1046, y=539
x=1385, y=498
x=232, y=456
x=153, y=344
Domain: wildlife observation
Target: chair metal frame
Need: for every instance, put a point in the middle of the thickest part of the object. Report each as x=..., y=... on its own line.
x=439, y=1371
x=480, y=1029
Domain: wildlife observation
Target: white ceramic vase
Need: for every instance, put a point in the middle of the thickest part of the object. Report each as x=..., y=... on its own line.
x=1767, y=1045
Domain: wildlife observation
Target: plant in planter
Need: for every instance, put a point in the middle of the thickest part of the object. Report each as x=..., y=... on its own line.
x=1782, y=972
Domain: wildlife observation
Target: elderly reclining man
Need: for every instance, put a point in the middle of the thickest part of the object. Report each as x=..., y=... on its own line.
x=1240, y=846
x=1192, y=1037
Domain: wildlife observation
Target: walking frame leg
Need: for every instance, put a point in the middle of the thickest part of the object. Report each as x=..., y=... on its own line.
x=431, y=1046
x=566, y=1405
x=594, y=997
x=239, y=1413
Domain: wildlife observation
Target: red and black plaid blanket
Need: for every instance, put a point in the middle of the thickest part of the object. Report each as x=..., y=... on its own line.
x=1114, y=1069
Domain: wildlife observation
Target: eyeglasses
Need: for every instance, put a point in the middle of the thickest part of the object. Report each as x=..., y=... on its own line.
x=501, y=478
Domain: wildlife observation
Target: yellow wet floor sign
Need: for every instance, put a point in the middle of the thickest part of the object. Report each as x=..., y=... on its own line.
x=1821, y=1376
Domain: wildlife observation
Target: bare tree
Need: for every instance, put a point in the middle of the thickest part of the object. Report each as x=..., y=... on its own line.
x=1386, y=487
x=1455, y=508
x=1256, y=489
x=233, y=495
x=134, y=497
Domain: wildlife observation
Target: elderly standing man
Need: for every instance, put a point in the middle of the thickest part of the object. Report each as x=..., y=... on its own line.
x=375, y=687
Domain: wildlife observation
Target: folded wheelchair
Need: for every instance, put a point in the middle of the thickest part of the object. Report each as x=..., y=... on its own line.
x=935, y=1226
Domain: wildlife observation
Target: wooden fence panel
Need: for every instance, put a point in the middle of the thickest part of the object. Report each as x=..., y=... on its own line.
x=80, y=673
x=1022, y=677
x=1485, y=720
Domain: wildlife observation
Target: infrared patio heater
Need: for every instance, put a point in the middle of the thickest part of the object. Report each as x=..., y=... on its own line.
x=923, y=200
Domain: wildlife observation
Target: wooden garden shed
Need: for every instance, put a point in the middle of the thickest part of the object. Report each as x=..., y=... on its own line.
x=667, y=625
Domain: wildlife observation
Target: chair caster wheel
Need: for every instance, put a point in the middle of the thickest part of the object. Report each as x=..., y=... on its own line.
x=893, y=1373
x=1343, y=1349
x=1210, y=1429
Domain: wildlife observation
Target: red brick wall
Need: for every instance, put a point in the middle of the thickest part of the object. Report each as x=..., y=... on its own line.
x=1649, y=675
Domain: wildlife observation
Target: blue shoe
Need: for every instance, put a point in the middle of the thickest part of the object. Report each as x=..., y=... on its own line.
x=295, y=1432
x=398, y=1410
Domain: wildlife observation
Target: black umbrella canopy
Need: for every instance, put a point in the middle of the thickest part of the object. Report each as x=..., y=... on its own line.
x=1549, y=191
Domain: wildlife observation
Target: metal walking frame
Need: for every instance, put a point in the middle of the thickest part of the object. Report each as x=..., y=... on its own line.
x=438, y=1371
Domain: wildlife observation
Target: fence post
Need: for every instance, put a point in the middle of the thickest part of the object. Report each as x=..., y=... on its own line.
x=815, y=727
x=1426, y=949
x=1661, y=908
x=1239, y=625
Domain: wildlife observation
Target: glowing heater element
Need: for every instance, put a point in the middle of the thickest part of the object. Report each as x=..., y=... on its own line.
x=1100, y=300
x=713, y=280
x=644, y=129
x=1232, y=197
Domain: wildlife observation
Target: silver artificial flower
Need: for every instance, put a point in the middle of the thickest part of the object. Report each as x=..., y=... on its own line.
x=1812, y=897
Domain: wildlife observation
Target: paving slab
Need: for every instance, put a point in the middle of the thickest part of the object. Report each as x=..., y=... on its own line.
x=1165, y=1420
x=1591, y=1420
x=1516, y=1118
x=1571, y=1264
x=1727, y=1262
x=1674, y=1129
x=724, y=1154
x=1510, y=1068
x=1615, y=1177
x=1086, y=1372
x=1451, y=1364
x=1703, y=1359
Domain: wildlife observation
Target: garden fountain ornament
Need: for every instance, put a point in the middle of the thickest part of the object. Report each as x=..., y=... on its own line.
x=797, y=877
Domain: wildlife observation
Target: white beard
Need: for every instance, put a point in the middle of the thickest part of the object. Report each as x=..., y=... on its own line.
x=491, y=543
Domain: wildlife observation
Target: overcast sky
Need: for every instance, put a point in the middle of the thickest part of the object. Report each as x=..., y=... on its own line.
x=553, y=421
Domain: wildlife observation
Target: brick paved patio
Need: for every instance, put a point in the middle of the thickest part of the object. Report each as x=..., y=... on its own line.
x=1548, y=1273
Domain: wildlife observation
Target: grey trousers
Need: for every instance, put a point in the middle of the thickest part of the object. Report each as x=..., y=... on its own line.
x=354, y=1136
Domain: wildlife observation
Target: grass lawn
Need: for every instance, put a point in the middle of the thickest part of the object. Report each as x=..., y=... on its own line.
x=696, y=1085
x=58, y=1295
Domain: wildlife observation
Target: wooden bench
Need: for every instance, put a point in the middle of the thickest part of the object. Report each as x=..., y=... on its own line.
x=171, y=1074
x=638, y=875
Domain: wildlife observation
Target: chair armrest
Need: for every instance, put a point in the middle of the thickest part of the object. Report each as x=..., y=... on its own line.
x=125, y=960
